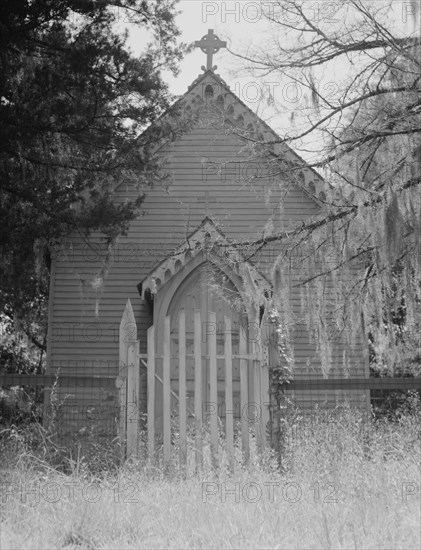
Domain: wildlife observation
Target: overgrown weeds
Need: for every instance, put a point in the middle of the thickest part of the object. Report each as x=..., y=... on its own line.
x=346, y=481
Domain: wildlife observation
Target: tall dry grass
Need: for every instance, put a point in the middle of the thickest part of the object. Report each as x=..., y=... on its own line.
x=344, y=482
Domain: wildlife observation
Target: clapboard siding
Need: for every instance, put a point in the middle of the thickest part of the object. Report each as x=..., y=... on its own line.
x=83, y=331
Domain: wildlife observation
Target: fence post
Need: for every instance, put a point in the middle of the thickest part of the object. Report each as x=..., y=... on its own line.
x=182, y=390
x=128, y=380
x=166, y=390
x=151, y=393
x=121, y=380
x=257, y=396
x=244, y=396
x=133, y=398
x=265, y=393
x=198, y=403
x=213, y=379
x=229, y=406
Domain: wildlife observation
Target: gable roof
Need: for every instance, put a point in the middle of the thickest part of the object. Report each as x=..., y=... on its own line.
x=233, y=111
x=206, y=237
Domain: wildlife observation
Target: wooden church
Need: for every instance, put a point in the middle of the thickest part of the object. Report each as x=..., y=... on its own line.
x=181, y=289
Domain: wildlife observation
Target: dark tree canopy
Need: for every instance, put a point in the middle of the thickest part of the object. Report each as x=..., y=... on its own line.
x=73, y=102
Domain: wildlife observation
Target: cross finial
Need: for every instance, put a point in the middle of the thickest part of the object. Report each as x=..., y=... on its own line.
x=210, y=44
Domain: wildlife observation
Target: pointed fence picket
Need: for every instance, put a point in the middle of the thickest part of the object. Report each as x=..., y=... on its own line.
x=182, y=388
x=198, y=403
x=212, y=406
x=244, y=399
x=127, y=382
x=167, y=391
x=229, y=402
x=151, y=393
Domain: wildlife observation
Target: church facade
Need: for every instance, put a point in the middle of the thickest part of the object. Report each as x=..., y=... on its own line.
x=185, y=252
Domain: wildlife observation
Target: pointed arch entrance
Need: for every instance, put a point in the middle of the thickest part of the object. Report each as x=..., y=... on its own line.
x=201, y=286
x=195, y=281
x=208, y=290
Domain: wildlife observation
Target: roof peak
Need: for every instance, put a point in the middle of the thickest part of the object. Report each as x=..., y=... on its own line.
x=203, y=76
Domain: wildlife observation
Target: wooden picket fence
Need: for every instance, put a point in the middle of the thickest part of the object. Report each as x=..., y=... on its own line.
x=128, y=384
x=254, y=389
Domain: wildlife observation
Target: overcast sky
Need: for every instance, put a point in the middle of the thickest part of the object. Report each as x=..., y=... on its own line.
x=242, y=25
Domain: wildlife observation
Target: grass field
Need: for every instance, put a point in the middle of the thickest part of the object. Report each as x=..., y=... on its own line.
x=344, y=484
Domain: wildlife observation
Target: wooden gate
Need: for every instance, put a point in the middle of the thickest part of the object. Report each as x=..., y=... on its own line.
x=253, y=413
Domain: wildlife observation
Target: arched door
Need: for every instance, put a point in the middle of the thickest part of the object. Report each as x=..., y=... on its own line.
x=207, y=289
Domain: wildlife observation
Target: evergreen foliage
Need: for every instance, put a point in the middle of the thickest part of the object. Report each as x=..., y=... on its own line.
x=73, y=102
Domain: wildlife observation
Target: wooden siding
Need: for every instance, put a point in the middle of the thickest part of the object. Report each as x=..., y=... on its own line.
x=84, y=321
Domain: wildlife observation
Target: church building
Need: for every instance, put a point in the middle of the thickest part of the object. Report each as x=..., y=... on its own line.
x=192, y=251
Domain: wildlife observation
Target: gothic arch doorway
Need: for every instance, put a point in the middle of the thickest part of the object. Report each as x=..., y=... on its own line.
x=208, y=289
x=203, y=276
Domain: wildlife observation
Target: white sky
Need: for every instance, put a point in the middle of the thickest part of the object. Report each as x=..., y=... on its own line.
x=242, y=25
